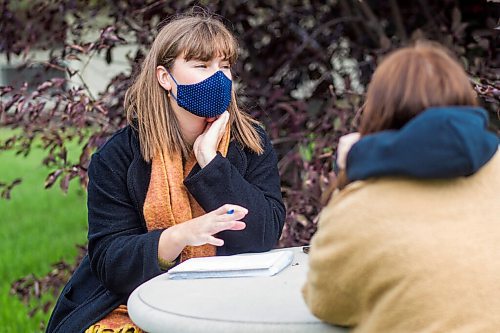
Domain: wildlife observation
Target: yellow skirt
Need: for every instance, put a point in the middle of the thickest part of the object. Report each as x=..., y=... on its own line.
x=117, y=321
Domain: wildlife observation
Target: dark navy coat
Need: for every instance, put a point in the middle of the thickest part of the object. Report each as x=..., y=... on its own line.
x=122, y=254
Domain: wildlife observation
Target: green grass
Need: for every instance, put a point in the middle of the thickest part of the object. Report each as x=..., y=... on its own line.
x=38, y=227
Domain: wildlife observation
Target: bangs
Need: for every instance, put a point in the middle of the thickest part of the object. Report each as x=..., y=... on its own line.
x=207, y=41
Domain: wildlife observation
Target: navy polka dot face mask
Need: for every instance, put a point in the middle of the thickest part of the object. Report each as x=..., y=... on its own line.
x=208, y=98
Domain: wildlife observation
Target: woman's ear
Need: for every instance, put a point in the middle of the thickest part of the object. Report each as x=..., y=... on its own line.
x=163, y=78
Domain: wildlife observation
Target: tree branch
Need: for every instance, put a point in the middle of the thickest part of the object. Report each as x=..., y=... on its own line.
x=398, y=21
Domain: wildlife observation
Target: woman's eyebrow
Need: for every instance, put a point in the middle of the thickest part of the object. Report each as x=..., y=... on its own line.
x=197, y=60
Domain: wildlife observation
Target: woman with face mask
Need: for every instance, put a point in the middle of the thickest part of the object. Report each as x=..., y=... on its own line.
x=190, y=176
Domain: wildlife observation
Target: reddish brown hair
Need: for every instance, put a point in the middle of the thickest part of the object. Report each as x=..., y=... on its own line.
x=406, y=82
x=410, y=80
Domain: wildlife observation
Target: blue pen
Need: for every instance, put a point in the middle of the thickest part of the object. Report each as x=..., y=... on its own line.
x=231, y=211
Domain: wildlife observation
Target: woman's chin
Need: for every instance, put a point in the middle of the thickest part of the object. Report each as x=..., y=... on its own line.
x=211, y=119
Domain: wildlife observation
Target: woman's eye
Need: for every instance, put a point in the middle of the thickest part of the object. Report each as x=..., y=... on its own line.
x=200, y=66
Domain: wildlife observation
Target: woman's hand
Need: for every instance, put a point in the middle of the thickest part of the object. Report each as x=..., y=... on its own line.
x=345, y=144
x=200, y=230
x=205, y=145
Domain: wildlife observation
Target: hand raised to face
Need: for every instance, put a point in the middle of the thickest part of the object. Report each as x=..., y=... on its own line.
x=205, y=146
x=345, y=144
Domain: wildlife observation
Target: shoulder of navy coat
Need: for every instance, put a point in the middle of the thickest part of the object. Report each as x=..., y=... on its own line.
x=122, y=254
x=441, y=142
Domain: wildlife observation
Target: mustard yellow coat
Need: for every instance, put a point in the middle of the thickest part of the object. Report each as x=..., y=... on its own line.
x=403, y=255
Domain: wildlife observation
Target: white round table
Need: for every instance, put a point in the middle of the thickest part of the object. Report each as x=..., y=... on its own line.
x=251, y=304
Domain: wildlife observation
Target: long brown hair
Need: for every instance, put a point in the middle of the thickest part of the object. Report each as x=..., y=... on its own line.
x=407, y=82
x=410, y=80
x=200, y=37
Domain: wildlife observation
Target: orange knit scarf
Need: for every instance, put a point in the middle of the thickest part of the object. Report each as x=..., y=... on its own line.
x=167, y=203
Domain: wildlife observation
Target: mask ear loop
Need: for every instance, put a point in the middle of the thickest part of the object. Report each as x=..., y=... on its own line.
x=175, y=84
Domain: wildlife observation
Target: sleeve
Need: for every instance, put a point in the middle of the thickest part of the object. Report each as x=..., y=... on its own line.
x=333, y=280
x=258, y=190
x=122, y=253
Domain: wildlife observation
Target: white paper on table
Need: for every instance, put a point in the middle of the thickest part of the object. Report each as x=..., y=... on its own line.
x=240, y=265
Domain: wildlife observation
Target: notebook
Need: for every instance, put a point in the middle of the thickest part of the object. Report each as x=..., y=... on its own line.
x=239, y=265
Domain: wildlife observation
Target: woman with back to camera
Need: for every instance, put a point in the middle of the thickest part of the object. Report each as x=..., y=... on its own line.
x=411, y=243
x=190, y=176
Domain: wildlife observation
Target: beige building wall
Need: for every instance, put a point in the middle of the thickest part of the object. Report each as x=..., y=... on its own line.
x=94, y=70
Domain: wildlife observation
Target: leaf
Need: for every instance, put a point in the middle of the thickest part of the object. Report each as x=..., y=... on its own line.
x=7, y=188
x=72, y=57
x=306, y=151
x=65, y=182
x=109, y=56
x=52, y=177
x=78, y=48
x=5, y=89
x=456, y=19
x=337, y=123
x=100, y=108
x=44, y=86
x=302, y=220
